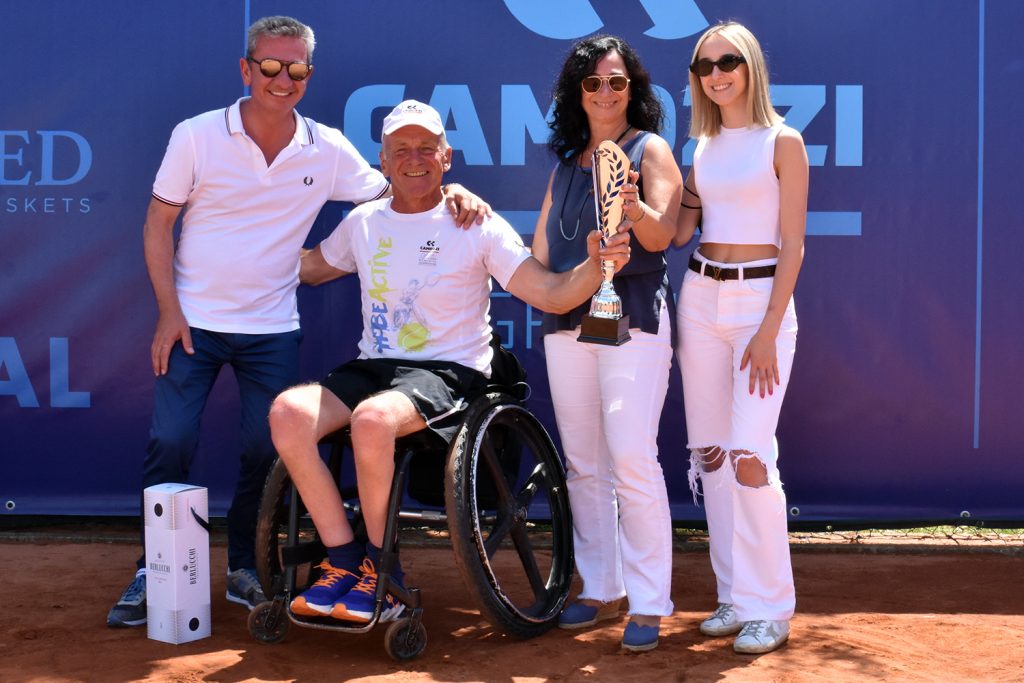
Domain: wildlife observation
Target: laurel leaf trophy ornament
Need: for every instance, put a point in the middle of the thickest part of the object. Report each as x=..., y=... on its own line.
x=605, y=324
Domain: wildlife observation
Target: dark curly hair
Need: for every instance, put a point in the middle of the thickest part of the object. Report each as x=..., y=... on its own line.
x=570, y=131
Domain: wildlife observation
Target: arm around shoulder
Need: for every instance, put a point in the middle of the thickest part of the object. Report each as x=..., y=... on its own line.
x=314, y=268
x=690, y=212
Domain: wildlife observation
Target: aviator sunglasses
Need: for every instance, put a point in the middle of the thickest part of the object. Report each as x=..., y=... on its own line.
x=270, y=67
x=592, y=84
x=725, y=64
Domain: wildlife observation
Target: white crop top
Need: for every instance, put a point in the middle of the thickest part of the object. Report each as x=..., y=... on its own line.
x=738, y=188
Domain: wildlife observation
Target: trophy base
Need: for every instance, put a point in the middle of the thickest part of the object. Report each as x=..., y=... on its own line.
x=609, y=331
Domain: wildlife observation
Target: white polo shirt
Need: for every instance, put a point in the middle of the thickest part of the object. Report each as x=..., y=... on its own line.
x=236, y=265
x=425, y=284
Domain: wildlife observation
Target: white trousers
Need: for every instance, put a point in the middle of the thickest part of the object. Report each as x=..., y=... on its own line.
x=608, y=402
x=746, y=525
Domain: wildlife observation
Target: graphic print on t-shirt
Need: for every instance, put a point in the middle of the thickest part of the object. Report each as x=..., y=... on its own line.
x=408, y=318
x=379, y=263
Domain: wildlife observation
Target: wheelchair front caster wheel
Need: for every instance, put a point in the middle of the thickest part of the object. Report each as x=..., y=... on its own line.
x=404, y=641
x=268, y=622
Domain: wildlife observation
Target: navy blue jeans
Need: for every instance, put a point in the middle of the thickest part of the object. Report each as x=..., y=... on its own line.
x=264, y=365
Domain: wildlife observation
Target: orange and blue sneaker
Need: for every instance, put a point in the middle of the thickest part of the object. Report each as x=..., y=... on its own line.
x=358, y=604
x=319, y=599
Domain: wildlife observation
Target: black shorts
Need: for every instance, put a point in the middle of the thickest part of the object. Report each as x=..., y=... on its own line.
x=439, y=390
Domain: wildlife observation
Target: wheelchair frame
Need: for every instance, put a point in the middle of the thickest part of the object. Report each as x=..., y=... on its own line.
x=496, y=426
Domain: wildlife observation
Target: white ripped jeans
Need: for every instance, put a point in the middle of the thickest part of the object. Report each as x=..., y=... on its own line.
x=746, y=524
x=608, y=402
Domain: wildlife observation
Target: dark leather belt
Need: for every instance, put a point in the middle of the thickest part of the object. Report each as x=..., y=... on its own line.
x=719, y=273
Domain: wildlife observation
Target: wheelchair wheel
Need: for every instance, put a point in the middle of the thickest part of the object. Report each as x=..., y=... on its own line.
x=518, y=587
x=268, y=621
x=272, y=531
x=404, y=641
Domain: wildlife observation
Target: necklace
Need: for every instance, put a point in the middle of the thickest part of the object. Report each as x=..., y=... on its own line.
x=583, y=204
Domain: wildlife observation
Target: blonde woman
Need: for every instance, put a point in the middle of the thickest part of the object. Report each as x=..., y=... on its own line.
x=747, y=191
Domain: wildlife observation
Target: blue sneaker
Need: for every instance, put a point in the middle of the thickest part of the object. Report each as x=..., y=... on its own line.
x=243, y=588
x=579, y=615
x=358, y=603
x=639, y=638
x=319, y=599
x=130, y=610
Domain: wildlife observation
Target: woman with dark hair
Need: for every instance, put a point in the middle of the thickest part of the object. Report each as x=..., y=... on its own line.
x=608, y=399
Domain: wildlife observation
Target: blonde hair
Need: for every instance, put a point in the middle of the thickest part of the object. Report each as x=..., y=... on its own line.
x=706, y=118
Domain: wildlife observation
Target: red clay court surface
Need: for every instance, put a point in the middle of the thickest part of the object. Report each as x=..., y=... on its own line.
x=945, y=614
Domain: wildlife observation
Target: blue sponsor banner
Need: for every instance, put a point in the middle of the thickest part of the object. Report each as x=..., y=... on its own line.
x=902, y=402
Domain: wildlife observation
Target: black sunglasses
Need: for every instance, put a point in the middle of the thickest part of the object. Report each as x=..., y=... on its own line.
x=725, y=64
x=592, y=84
x=270, y=67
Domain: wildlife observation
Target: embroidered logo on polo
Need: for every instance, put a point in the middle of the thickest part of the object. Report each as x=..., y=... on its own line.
x=429, y=253
x=307, y=181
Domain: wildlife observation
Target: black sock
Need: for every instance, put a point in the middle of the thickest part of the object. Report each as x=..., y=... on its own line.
x=348, y=556
x=373, y=552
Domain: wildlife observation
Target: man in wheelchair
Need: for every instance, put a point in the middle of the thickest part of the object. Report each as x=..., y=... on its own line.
x=424, y=351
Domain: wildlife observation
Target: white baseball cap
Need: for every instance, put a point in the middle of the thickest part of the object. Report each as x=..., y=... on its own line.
x=413, y=113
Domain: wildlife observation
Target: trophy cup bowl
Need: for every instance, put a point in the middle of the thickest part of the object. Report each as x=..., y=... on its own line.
x=605, y=323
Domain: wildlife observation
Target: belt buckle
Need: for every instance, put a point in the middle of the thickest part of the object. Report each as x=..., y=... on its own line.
x=716, y=273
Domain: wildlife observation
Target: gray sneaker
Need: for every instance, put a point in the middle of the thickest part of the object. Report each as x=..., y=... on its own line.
x=761, y=636
x=722, y=622
x=130, y=610
x=244, y=588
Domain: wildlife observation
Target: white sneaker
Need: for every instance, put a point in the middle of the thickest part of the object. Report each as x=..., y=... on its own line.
x=722, y=622
x=761, y=636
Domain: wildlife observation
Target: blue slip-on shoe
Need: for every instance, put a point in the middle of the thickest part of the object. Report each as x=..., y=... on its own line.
x=130, y=609
x=318, y=600
x=358, y=604
x=639, y=638
x=579, y=615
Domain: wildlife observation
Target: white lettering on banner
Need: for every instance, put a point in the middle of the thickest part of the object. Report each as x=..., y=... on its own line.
x=44, y=205
x=20, y=386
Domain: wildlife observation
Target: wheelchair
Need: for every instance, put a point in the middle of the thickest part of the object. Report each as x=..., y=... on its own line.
x=499, y=473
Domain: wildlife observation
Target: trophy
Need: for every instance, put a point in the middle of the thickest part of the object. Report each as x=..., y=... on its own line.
x=605, y=324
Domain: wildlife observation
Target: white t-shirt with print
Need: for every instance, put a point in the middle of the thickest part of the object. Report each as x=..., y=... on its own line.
x=425, y=283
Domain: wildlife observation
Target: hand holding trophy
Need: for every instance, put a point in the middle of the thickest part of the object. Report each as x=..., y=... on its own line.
x=605, y=324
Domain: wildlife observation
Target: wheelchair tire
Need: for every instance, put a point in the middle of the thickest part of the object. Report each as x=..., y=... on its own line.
x=517, y=589
x=268, y=621
x=403, y=641
x=272, y=529
x=270, y=524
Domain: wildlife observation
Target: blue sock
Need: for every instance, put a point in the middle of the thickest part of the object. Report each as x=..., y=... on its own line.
x=373, y=552
x=347, y=557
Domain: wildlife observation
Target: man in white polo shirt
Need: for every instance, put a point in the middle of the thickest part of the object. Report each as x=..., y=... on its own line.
x=424, y=351
x=251, y=179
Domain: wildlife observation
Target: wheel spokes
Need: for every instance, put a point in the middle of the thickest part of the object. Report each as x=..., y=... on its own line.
x=524, y=548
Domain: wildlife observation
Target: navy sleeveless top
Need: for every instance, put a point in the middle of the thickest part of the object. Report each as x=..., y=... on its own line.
x=642, y=285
